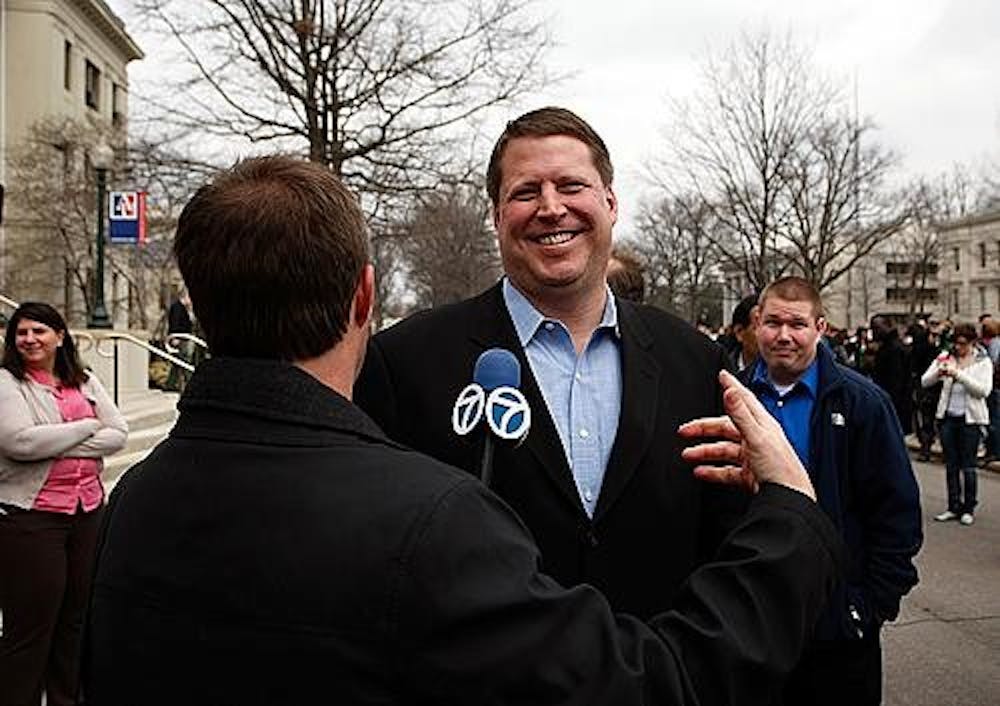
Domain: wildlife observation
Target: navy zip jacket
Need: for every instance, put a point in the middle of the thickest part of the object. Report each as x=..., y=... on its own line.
x=861, y=471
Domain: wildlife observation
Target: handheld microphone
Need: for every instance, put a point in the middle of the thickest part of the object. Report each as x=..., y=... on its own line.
x=494, y=394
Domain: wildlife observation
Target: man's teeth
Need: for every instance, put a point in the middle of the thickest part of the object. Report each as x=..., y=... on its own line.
x=563, y=236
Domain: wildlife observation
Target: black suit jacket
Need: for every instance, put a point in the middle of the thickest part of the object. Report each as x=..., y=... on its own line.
x=654, y=522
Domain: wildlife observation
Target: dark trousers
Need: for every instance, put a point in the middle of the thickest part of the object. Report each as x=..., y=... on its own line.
x=926, y=424
x=845, y=673
x=46, y=561
x=960, y=441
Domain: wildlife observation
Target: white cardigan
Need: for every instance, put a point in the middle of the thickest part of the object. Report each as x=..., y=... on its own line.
x=33, y=434
x=977, y=380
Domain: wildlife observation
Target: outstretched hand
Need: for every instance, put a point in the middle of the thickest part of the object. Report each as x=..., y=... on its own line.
x=750, y=445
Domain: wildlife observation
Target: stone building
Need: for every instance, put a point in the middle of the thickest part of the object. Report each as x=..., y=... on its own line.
x=62, y=63
x=970, y=266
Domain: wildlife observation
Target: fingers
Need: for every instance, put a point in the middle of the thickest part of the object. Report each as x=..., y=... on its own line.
x=727, y=475
x=722, y=427
x=714, y=451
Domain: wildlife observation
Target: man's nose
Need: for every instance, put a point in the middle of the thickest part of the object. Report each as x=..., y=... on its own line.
x=550, y=202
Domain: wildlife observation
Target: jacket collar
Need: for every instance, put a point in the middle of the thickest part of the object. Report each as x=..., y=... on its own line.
x=272, y=390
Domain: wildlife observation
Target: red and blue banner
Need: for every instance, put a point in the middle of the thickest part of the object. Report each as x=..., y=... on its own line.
x=127, y=217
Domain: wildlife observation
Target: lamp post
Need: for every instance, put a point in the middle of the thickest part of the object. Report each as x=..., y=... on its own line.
x=101, y=157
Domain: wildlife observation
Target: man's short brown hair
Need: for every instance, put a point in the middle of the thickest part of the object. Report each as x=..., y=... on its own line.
x=794, y=289
x=271, y=252
x=547, y=122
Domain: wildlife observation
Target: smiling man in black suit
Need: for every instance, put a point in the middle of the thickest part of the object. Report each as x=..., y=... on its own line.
x=599, y=480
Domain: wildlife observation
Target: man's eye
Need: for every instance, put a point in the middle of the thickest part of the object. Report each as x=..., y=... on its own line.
x=523, y=195
x=572, y=187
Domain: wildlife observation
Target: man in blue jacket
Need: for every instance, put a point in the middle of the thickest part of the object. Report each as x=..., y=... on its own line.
x=845, y=431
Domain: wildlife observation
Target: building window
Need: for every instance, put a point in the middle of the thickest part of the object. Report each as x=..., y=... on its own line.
x=958, y=262
x=897, y=268
x=117, y=118
x=982, y=299
x=67, y=65
x=92, y=90
x=982, y=255
x=954, y=301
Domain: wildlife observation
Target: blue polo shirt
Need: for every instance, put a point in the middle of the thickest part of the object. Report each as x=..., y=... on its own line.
x=793, y=409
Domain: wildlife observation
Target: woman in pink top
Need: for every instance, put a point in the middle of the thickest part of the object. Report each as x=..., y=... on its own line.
x=56, y=424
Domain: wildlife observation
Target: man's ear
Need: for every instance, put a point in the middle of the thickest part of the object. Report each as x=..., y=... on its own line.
x=821, y=325
x=364, y=297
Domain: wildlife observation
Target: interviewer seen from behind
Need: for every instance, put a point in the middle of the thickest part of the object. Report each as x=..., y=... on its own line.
x=56, y=425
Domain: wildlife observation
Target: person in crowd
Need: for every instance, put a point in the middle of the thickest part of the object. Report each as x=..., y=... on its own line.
x=845, y=431
x=892, y=370
x=923, y=350
x=56, y=425
x=179, y=321
x=967, y=377
x=626, y=275
x=279, y=548
x=599, y=480
x=743, y=330
x=991, y=342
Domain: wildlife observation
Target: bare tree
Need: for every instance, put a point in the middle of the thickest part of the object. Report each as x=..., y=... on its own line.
x=54, y=200
x=949, y=196
x=371, y=88
x=449, y=246
x=677, y=252
x=840, y=206
x=169, y=179
x=764, y=147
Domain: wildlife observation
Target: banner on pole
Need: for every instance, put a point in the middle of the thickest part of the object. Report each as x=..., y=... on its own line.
x=127, y=217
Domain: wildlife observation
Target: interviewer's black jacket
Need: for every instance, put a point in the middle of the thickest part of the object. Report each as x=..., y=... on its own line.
x=278, y=549
x=860, y=468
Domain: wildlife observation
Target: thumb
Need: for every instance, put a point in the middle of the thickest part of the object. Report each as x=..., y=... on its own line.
x=739, y=411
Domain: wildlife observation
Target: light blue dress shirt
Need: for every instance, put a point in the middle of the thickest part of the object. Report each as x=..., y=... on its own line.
x=793, y=410
x=583, y=392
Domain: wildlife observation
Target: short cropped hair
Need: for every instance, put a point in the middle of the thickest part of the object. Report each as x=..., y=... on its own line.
x=627, y=280
x=794, y=289
x=271, y=252
x=547, y=122
x=68, y=368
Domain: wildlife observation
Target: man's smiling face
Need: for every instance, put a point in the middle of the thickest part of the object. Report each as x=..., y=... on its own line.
x=553, y=217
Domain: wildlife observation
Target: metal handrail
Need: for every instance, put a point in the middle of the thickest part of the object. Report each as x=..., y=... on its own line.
x=117, y=336
x=171, y=345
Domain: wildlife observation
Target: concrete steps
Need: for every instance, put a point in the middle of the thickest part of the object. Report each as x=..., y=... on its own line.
x=150, y=415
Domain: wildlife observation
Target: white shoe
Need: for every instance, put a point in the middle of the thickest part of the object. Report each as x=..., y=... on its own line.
x=967, y=518
x=946, y=515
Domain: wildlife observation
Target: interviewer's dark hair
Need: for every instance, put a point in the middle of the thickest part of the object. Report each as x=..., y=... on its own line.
x=547, y=122
x=271, y=252
x=68, y=368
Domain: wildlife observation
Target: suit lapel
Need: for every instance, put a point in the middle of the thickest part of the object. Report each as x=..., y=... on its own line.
x=640, y=398
x=494, y=328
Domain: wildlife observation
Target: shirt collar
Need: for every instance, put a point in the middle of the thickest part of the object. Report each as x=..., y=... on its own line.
x=809, y=379
x=527, y=318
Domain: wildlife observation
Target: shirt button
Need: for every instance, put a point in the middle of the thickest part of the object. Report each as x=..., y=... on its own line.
x=578, y=376
x=588, y=496
x=584, y=433
x=549, y=325
x=781, y=403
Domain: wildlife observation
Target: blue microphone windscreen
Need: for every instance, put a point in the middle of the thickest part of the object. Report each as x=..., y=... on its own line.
x=495, y=368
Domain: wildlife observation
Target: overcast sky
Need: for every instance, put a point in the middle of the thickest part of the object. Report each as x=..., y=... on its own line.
x=928, y=71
